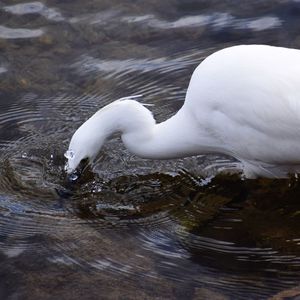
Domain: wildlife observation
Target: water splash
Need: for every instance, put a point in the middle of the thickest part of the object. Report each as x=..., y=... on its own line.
x=73, y=177
x=70, y=155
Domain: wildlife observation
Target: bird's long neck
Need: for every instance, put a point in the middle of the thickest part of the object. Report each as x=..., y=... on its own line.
x=180, y=136
x=173, y=138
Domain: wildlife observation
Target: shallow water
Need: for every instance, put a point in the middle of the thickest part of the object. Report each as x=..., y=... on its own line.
x=132, y=228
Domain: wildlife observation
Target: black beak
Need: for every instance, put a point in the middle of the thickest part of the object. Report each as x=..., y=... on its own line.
x=74, y=176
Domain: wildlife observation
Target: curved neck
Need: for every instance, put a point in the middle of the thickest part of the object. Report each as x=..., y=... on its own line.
x=180, y=136
x=176, y=137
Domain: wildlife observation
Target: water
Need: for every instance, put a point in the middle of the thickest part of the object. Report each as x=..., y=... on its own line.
x=132, y=228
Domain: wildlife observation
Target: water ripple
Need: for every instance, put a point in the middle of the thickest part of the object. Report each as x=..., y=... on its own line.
x=117, y=68
x=216, y=20
x=129, y=219
x=100, y=18
x=3, y=70
x=34, y=8
x=19, y=33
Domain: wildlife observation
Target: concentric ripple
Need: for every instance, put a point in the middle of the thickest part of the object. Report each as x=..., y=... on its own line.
x=127, y=226
x=174, y=221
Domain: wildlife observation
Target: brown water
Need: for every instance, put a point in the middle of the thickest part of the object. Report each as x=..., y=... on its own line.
x=133, y=228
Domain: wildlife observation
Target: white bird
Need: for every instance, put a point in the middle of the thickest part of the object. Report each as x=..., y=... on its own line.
x=242, y=101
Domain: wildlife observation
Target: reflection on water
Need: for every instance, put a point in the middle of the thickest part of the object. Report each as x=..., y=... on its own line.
x=217, y=21
x=34, y=8
x=145, y=229
x=18, y=33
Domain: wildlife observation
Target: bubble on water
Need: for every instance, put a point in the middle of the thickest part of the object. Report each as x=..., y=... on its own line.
x=24, y=155
x=70, y=154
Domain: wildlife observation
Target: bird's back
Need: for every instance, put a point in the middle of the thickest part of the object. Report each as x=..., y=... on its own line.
x=248, y=99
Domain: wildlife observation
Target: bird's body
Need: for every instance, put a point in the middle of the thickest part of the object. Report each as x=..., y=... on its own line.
x=243, y=101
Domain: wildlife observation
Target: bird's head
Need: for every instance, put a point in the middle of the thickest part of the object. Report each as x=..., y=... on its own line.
x=83, y=148
x=125, y=115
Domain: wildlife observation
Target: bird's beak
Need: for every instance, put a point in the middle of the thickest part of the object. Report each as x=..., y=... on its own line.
x=75, y=173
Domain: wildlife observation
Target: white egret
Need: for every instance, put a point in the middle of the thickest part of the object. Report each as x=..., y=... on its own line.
x=243, y=101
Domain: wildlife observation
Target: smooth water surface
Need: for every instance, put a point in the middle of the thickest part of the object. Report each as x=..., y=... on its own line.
x=133, y=228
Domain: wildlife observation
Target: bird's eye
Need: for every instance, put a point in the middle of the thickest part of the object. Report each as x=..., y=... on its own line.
x=69, y=154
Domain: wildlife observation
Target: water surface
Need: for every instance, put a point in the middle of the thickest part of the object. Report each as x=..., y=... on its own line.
x=133, y=228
